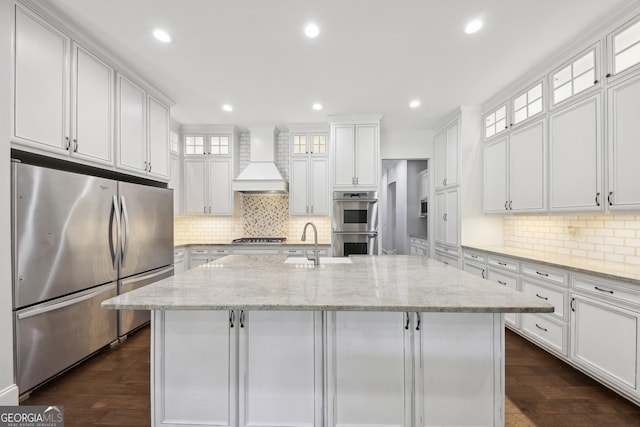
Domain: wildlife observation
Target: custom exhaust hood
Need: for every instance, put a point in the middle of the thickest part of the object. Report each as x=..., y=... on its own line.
x=262, y=174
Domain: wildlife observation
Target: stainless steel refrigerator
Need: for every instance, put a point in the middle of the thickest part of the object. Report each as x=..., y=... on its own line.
x=78, y=240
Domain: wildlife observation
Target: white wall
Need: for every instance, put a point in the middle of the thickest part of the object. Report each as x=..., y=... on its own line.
x=406, y=144
x=8, y=389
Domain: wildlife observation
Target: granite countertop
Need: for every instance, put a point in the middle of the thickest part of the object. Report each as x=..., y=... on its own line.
x=611, y=270
x=370, y=283
x=227, y=243
x=419, y=236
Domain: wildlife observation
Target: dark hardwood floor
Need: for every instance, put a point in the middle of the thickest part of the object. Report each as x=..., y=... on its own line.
x=112, y=388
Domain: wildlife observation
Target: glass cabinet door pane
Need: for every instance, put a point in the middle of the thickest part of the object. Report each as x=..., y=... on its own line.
x=626, y=38
x=583, y=64
x=628, y=58
x=562, y=76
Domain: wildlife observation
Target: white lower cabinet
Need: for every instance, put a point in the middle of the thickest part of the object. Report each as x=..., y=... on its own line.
x=459, y=378
x=236, y=368
x=545, y=331
x=195, y=380
x=508, y=280
x=368, y=369
x=280, y=364
x=604, y=341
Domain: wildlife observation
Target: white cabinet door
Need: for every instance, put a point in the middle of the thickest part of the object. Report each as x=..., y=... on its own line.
x=575, y=157
x=441, y=225
x=280, y=364
x=495, y=176
x=299, y=186
x=460, y=380
x=174, y=182
x=451, y=218
x=440, y=147
x=527, y=168
x=178, y=266
x=158, y=142
x=41, y=103
x=604, y=340
x=92, y=108
x=319, y=186
x=132, y=129
x=344, y=146
x=219, y=183
x=195, y=190
x=624, y=146
x=475, y=269
x=424, y=185
x=452, y=154
x=366, y=160
x=369, y=369
x=195, y=381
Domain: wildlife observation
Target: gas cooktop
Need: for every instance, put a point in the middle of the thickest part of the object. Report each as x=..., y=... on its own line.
x=272, y=240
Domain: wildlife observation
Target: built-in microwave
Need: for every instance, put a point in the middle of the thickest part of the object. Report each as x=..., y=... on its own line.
x=424, y=207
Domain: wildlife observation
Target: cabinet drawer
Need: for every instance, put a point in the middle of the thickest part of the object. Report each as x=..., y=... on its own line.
x=447, y=250
x=606, y=289
x=505, y=264
x=544, y=330
x=447, y=259
x=199, y=251
x=545, y=273
x=555, y=297
x=475, y=256
x=219, y=252
x=503, y=279
x=475, y=269
x=291, y=252
x=178, y=252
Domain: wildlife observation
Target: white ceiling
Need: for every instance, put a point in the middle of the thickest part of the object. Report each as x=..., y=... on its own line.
x=372, y=56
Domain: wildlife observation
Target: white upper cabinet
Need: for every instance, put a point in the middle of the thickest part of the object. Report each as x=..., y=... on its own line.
x=309, y=184
x=91, y=108
x=527, y=104
x=575, y=147
x=63, y=94
x=447, y=219
x=356, y=158
x=446, y=155
x=527, y=168
x=69, y=103
x=41, y=83
x=624, y=145
x=208, y=163
x=575, y=76
x=514, y=170
x=496, y=161
x=495, y=121
x=624, y=49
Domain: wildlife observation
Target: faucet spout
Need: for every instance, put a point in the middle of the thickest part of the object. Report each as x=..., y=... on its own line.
x=315, y=257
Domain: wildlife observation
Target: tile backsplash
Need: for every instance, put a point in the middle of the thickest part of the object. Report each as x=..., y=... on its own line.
x=601, y=237
x=260, y=215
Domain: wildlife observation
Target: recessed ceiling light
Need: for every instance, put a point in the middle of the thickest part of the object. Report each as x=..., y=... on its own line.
x=414, y=104
x=317, y=106
x=162, y=35
x=473, y=26
x=227, y=107
x=311, y=30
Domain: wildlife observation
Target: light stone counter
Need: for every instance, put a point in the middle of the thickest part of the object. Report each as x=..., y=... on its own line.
x=606, y=269
x=371, y=283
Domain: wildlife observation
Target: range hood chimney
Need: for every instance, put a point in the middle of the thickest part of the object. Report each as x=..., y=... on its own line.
x=261, y=175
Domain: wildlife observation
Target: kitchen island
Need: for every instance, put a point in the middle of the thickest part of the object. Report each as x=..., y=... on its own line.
x=382, y=340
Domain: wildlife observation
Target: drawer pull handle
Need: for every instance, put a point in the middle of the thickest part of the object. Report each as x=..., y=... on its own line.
x=417, y=321
x=474, y=256
x=502, y=283
x=541, y=297
x=542, y=274
x=406, y=326
x=603, y=290
x=541, y=328
x=504, y=264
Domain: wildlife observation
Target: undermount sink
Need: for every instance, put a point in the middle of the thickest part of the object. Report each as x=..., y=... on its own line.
x=323, y=260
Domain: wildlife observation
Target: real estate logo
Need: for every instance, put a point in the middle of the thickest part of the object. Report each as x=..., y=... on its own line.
x=31, y=416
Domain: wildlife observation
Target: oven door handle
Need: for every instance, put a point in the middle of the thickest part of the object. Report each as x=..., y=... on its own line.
x=355, y=201
x=358, y=233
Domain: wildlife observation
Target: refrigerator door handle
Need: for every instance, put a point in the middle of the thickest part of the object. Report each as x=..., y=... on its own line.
x=125, y=245
x=112, y=244
x=162, y=272
x=73, y=299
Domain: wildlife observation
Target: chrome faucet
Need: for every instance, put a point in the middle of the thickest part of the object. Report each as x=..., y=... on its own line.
x=316, y=254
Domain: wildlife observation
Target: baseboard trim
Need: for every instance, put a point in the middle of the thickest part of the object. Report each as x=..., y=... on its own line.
x=9, y=396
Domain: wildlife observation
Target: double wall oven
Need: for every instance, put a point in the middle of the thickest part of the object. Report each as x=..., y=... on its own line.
x=355, y=223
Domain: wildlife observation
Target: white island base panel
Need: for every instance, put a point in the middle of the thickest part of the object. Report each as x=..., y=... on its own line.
x=336, y=368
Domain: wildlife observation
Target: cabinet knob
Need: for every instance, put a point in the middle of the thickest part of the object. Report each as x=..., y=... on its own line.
x=596, y=81
x=608, y=75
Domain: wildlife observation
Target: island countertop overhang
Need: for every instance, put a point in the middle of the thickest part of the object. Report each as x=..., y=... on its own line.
x=369, y=283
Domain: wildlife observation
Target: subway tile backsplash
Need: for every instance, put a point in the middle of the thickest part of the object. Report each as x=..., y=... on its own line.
x=602, y=237
x=260, y=215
